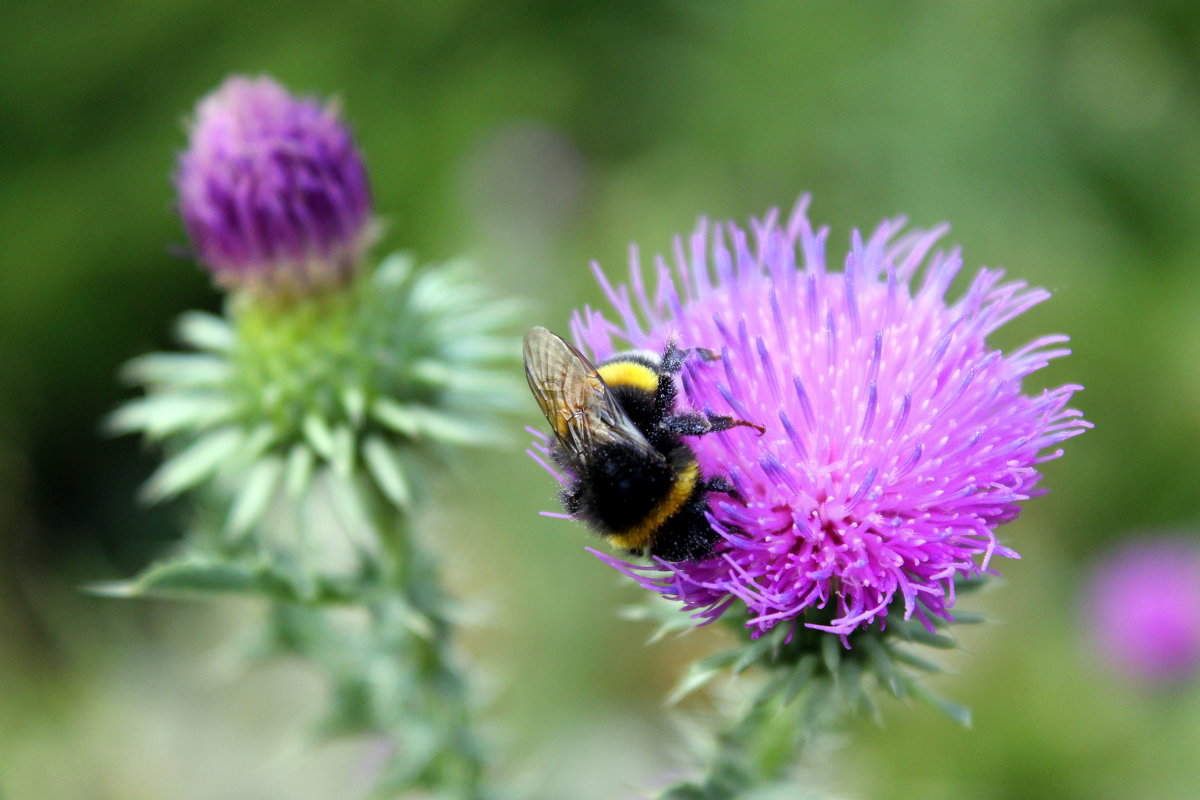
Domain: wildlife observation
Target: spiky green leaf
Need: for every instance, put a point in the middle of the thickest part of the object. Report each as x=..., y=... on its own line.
x=343, y=451
x=318, y=434
x=195, y=464
x=800, y=678
x=882, y=666
x=299, y=472
x=206, y=331
x=831, y=653
x=179, y=370
x=395, y=416
x=387, y=470
x=254, y=496
x=700, y=673
x=354, y=402
x=196, y=575
x=959, y=713
x=157, y=416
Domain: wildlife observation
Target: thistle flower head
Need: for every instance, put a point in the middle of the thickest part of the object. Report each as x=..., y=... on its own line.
x=897, y=439
x=271, y=188
x=1143, y=609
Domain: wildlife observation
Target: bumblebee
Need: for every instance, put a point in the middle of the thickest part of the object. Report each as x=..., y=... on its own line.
x=619, y=439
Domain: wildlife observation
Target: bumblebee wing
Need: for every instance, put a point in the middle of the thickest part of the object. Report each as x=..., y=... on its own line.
x=575, y=400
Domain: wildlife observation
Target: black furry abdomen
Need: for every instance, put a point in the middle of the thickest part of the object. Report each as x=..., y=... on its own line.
x=686, y=536
x=621, y=490
x=617, y=489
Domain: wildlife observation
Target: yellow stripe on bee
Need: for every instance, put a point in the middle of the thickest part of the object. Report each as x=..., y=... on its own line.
x=638, y=537
x=629, y=373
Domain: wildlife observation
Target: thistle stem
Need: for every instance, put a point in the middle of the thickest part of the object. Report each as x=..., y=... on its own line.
x=409, y=608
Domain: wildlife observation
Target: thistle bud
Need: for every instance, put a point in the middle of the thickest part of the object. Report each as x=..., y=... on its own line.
x=272, y=189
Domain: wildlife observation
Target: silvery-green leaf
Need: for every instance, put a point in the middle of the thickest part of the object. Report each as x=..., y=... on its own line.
x=317, y=432
x=350, y=509
x=194, y=575
x=905, y=657
x=206, y=331
x=801, y=677
x=433, y=424
x=666, y=614
x=388, y=471
x=394, y=269
x=343, y=451
x=849, y=682
x=751, y=652
x=700, y=673
x=959, y=713
x=418, y=623
x=199, y=461
x=433, y=372
x=395, y=416
x=881, y=665
x=160, y=415
x=300, y=462
x=922, y=636
x=355, y=404
x=831, y=653
x=254, y=496
x=256, y=443
x=179, y=370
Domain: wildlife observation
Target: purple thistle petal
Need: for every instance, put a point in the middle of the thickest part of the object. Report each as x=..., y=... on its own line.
x=896, y=442
x=272, y=190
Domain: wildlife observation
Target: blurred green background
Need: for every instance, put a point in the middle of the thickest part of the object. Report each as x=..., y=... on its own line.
x=1061, y=139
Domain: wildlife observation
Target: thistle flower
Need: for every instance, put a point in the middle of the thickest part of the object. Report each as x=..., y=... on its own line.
x=897, y=438
x=1143, y=608
x=271, y=188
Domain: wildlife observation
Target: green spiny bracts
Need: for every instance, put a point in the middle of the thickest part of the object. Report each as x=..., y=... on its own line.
x=806, y=682
x=360, y=380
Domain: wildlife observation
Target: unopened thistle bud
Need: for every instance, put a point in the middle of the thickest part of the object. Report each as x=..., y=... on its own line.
x=272, y=189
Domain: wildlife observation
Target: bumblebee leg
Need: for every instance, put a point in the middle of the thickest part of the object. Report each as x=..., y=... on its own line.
x=687, y=423
x=673, y=357
x=725, y=423
x=723, y=486
x=719, y=484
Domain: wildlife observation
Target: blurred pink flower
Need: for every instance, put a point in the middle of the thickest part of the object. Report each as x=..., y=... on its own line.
x=1143, y=608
